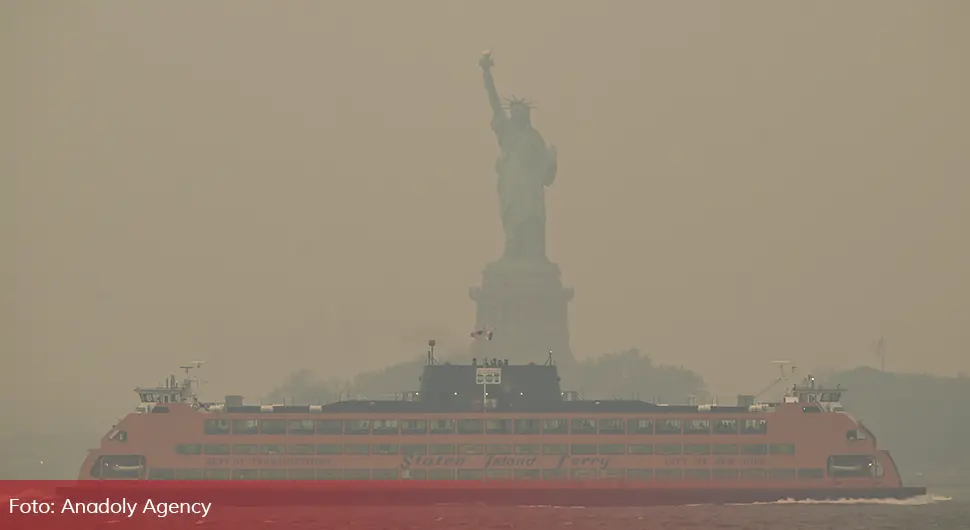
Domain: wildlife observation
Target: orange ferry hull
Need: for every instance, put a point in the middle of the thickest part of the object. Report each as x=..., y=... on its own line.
x=512, y=493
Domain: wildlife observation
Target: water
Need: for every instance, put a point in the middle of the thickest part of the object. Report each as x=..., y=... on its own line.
x=934, y=511
x=938, y=510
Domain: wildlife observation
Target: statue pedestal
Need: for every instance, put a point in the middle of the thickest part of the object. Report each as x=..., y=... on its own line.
x=527, y=306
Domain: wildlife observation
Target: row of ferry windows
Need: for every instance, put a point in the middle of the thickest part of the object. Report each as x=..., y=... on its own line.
x=485, y=474
x=491, y=449
x=487, y=426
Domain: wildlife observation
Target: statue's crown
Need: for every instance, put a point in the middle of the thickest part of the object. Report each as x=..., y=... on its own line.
x=518, y=102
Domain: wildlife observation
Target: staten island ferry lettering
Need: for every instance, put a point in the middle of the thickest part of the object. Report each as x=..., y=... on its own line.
x=413, y=461
x=583, y=462
x=453, y=429
x=257, y=462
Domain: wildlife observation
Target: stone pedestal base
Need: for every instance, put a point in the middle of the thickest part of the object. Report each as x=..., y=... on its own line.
x=527, y=306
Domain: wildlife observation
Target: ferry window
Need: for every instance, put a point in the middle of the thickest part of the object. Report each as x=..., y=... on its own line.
x=583, y=474
x=442, y=426
x=385, y=427
x=669, y=427
x=639, y=426
x=528, y=474
x=782, y=474
x=668, y=474
x=301, y=449
x=527, y=427
x=300, y=427
x=245, y=474
x=725, y=426
x=582, y=449
x=725, y=449
x=668, y=449
x=414, y=449
x=612, y=449
x=499, y=449
x=831, y=397
x=697, y=427
x=697, y=449
x=811, y=474
x=217, y=426
x=356, y=474
x=245, y=426
x=555, y=474
x=300, y=474
x=189, y=474
x=441, y=474
x=272, y=426
x=612, y=426
x=272, y=449
x=383, y=474
x=613, y=473
x=754, y=474
x=161, y=474
x=527, y=449
x=356, y=449
x=245, y=449
x=499, y=474
x=697, y=474
x=583, y=426
x=329, y=427
x=781, y=449
x=639, y=449
x=754, y=427
x=471, y=426
x=724, y=474
x=384, y=449
x=498, y=426
x=471, y=449
x=471, y=474
x=846, y=466
x=216, y=474
x=272, y=474
x=119, y=466
x=188, y=449
x=639, y=474
x=329, y=449
x=754, y=449
x=555, y=449
x=441, y=449
x=414, y=427
x=216, y=449
x=356, y=426
x=557, y=426
x=330, y=474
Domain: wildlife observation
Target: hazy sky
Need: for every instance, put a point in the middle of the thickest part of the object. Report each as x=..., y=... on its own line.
x=277, y=185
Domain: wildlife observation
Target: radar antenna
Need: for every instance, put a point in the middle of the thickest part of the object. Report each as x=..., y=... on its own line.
x=189, y=380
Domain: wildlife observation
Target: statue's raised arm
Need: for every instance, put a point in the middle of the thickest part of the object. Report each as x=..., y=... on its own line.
x=486, y=62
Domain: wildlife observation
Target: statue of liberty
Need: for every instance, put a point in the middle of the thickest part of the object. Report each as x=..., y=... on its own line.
x=526, y=166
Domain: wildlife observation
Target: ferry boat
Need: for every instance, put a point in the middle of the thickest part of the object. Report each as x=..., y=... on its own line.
x=493, y=432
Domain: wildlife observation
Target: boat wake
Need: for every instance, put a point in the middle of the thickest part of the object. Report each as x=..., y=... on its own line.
x=914, y=501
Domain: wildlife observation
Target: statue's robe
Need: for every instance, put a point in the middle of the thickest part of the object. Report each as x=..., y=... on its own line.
x=524, y=168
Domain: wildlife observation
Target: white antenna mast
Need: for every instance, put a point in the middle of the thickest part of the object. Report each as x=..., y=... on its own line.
x=784, y=376
x=880, y=351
